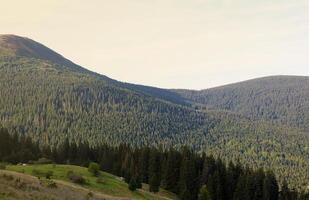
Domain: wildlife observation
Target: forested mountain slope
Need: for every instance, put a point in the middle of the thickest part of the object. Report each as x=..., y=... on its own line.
x=50, y=98
x=16, y=46
x=280, y=99
x=50, y=102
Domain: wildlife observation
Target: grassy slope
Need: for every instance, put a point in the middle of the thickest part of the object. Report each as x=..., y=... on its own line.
x=112, y=186
x=17, y=186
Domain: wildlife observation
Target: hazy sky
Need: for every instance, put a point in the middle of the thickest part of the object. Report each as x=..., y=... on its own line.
x=170, y=43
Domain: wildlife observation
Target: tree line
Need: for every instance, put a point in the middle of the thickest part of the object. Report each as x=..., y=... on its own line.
x=50, y=103
x=188, y=174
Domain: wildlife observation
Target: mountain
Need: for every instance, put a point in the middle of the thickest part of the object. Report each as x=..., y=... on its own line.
x=12, y=45
x=280, y=99
x=50, y=98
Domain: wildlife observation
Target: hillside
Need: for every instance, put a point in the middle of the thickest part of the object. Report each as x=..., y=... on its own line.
x=16, y=46
x=51, y=103
x=11, y=45
x=280, y=99
x=20, y=183
x=44, y=97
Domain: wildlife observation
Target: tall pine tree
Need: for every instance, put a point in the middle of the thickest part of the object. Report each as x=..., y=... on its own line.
x=154, y=171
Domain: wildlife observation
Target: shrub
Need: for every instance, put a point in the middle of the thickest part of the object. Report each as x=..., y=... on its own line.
x=90, y=194
x=94, y=168
x=100, y=180
x=48, y=183
x=43, y=161
x=31, y=162
x=75, y=178
x=51, y=184
x=49, y=174
x=203, y=193
x=2, y=166
x=39, y=174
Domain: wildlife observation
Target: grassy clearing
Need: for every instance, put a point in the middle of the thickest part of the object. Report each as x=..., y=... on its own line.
x=17, y=186
x=105, y=183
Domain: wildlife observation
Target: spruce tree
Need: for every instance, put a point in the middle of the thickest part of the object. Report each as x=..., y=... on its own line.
x=188, y=176
x=242, y=191
x=171, y=171
x=257, y=185
x=208, y=169
x=270, y=187
x=132, y=184
x=285, y=193
x=144, y=164
x=154, y=171
x=204, y=194
x=138, y=182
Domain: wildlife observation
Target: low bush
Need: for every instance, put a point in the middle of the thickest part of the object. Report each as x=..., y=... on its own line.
x=2, y=166
x=94, y=169
x=49, y=174
x=90, y=194
x=100, y=180
x=42, y=161
x=50, y=184
x=76, y=178
x=39, y=174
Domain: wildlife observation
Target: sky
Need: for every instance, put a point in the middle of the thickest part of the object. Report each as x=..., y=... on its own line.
x=194, y=44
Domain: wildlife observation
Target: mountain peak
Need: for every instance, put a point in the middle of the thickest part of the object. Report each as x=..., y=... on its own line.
x=13, y=45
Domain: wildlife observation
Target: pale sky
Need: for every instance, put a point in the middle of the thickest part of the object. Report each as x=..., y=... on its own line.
x=170, y=43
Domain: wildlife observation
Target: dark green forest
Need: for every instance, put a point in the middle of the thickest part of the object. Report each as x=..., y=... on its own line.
x=50, y=103
x=51, y=100
x=188, y=174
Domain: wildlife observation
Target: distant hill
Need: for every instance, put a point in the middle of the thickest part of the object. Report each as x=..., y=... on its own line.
x=50, y=98
x=280, y=99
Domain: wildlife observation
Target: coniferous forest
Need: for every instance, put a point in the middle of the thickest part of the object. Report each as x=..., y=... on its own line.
x=184, y=172
x=242, y=141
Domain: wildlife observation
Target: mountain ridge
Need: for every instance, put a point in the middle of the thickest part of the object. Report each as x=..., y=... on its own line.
x=282, y=99
x=15, y=45
x=52, y=102
x=26, y=47
x=279, y=76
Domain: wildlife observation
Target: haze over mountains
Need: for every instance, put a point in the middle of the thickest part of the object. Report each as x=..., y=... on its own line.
x=263, y=122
